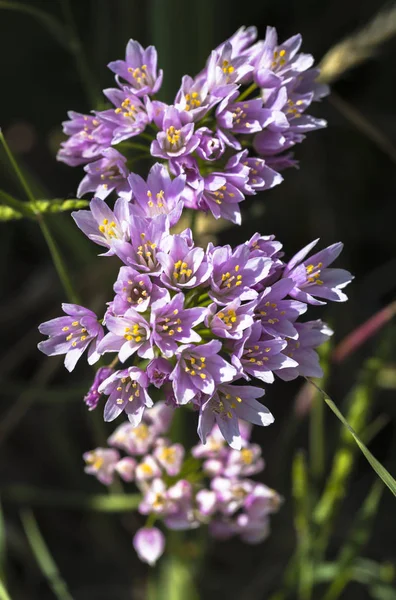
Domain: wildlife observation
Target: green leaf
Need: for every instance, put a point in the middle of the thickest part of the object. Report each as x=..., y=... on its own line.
x=43, y=557
x=51, y=24
x=386, y=477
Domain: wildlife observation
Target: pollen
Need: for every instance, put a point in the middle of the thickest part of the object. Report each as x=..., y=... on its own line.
x=173, y=135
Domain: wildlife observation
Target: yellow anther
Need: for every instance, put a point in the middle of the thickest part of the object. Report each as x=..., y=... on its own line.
x=75, y=323
x=65, y=328
x=168, y=455
x=247, y=456
x=147, y=470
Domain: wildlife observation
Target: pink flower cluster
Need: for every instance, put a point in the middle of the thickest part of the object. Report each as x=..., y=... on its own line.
x=209, y=486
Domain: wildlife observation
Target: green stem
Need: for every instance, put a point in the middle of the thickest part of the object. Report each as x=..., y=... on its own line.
x=25, y=495
x=58, y=261
x=151, y=519
x=23, y=208
x=53, y=248
x=247, y=92
x=17, y=170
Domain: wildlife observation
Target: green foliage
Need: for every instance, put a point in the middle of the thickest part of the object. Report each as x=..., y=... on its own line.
x=43, y=556
x=3, y=592
x=40, y=207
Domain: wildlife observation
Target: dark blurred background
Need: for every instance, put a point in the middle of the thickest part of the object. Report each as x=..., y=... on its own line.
x=345, y=190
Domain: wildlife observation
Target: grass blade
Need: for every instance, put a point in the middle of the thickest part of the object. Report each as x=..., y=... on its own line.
x=357, y=538
x=302, y=510
x=43, y=556
x=3, y=592
x=383, y=473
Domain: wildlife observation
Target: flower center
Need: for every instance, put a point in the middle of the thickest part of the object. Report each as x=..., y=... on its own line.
x=247, y=456
x=228, y=318
x=268, y=315
x=292, y=109
x=256, y=355
x=125, y=387
x=182, y=272
x=170, y=325
x=140, y=75
x=313, y=273
x=146, y=253
x=225, y=404
x=279, y=59
x=173, y=135
x=141, y=432
x=108, y=228
x=147, y=469
x=229, y=280
x=136, y=333
x=227, y=67
x=77, y=335
x=159, y=501
x=238, y=114
x=168, y=455
x=94, y=460
x=196, y=366
x=158, y=203
x=192, y=100
x=135, y=293
x=127, y=109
